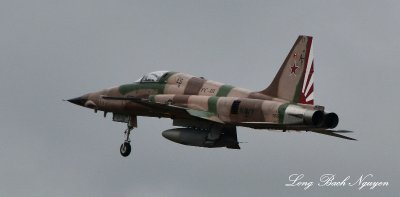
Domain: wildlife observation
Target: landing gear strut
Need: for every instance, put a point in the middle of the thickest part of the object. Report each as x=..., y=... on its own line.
x=126, y=148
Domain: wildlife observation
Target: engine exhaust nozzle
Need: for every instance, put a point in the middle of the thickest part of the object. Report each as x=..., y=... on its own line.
x=331, y=120
x=313, y=117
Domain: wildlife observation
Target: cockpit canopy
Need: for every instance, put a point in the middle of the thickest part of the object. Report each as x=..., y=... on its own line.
x=152, y=77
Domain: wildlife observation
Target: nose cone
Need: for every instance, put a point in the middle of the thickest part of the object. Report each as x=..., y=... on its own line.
x=78, y=101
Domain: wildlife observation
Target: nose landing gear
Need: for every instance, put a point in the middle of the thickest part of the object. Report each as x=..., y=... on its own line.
x=126, y=148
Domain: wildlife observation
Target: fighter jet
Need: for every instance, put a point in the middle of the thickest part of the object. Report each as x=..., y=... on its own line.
x=206, y=113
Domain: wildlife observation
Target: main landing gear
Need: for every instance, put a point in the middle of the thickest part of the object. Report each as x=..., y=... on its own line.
x=126, y=148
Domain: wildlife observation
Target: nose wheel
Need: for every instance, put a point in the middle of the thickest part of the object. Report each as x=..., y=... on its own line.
x=125, y=148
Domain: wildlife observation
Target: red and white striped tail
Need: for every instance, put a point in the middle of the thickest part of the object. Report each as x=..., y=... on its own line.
x=307, y=91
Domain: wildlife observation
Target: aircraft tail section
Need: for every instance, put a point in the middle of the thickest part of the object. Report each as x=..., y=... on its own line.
x=294, y=81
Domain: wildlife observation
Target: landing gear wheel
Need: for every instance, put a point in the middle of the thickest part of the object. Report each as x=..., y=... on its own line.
x=125, y=149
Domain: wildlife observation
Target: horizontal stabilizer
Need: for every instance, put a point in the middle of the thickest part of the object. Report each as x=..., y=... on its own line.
x=333, y=133
x=342, y=131
x=273, y=126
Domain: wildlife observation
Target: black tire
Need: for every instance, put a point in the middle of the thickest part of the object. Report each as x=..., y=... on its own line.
x=125, y=149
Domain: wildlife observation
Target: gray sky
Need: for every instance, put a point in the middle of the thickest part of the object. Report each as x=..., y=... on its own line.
x=54, y=50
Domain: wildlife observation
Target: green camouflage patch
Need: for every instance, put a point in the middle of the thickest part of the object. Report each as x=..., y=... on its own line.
x=212, y=104
x=224, y=90
x=125, y=89
x=152, y=99
x=200, y=114
x=281, y=112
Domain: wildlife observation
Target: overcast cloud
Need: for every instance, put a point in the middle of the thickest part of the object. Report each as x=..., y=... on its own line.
x=54, y=50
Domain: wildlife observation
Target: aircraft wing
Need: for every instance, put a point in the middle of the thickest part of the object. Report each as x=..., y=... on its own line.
x=171, y=109
x=267, y=125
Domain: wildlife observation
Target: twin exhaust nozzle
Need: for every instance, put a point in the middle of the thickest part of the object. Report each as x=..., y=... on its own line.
x=321, y=119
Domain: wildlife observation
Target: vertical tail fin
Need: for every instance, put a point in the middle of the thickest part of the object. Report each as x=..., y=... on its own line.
x=294, y=81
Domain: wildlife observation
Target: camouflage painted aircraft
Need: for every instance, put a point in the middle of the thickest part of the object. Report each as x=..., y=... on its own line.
x=208, y=112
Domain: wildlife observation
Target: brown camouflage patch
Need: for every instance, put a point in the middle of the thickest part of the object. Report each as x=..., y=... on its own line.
x=194, y=85
x=180, y=99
